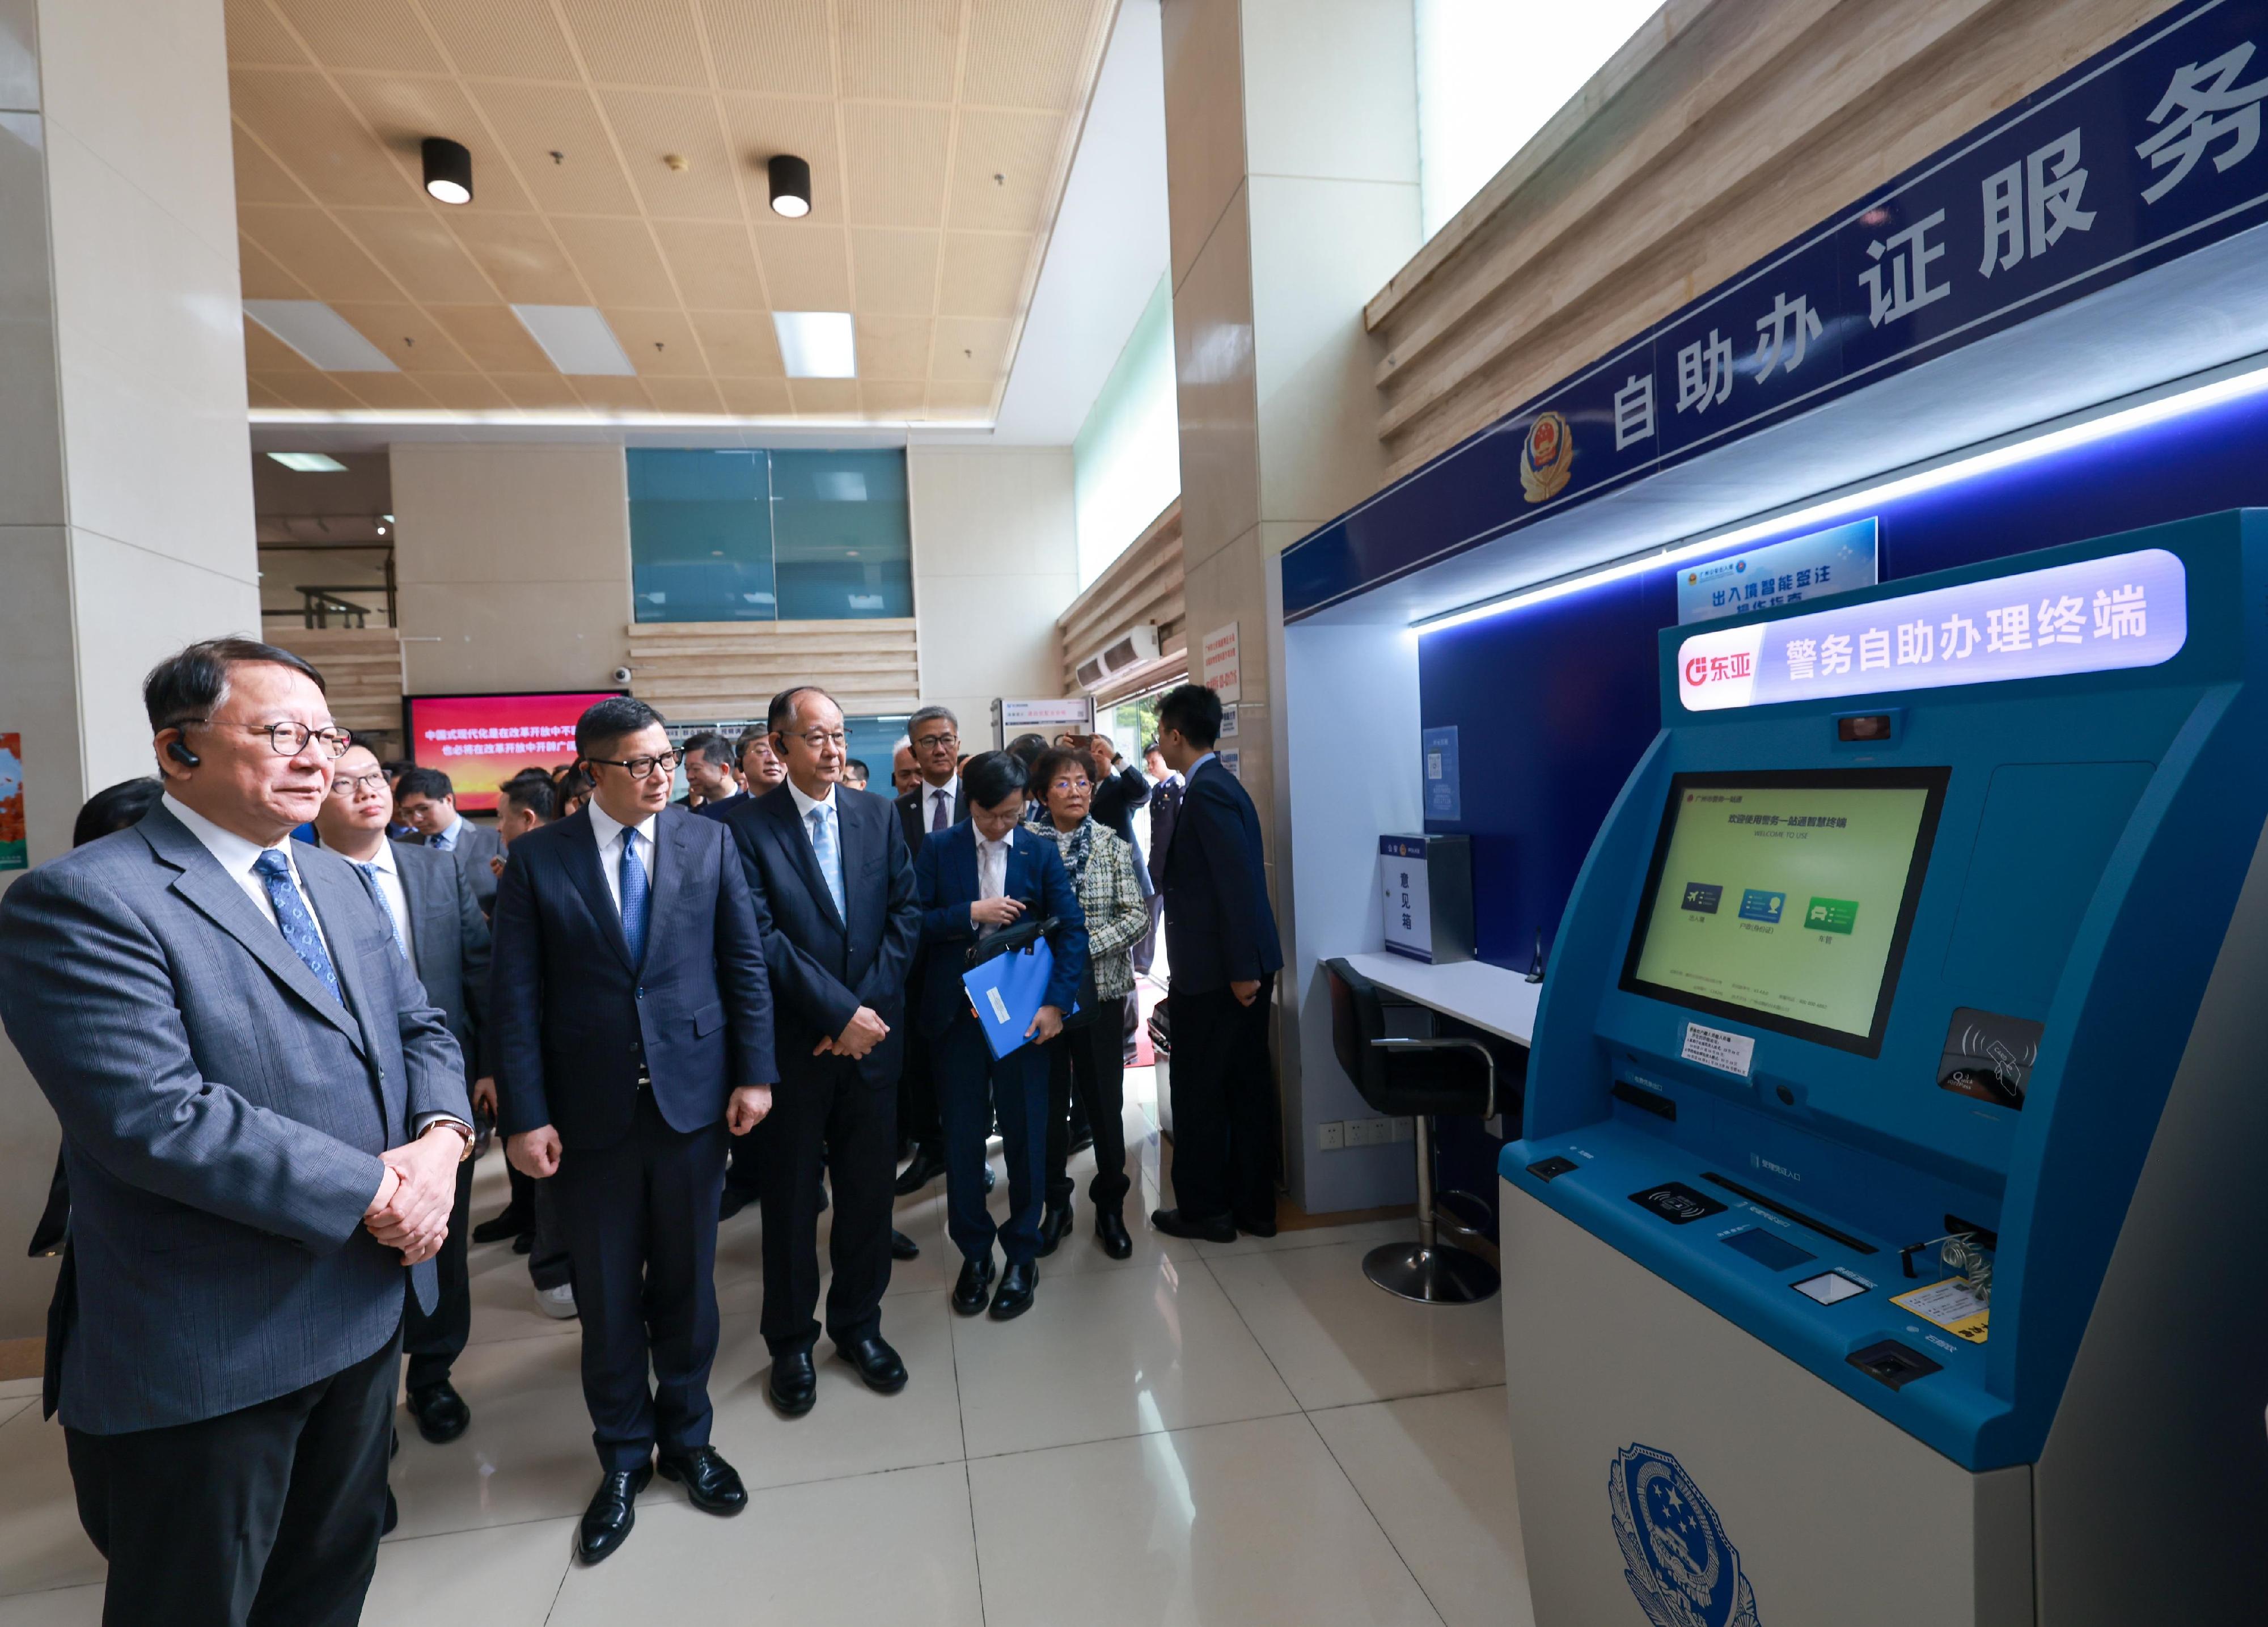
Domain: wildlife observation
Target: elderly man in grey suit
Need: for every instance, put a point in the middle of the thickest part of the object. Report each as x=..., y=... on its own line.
x=262, y=1117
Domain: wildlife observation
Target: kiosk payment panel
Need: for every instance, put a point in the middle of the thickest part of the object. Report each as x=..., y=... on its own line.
x=1880, y=1247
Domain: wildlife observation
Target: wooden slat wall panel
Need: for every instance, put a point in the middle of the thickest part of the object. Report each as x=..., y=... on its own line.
x=1725, y=128
x=1143, y=585
x=361, y=668
x=732, y=669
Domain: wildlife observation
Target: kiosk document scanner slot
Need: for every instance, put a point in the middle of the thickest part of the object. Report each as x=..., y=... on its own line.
x=1882, y=1246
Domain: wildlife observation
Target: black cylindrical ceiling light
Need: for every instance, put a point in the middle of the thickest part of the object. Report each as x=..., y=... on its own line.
x=448, y=170
x=790, y=179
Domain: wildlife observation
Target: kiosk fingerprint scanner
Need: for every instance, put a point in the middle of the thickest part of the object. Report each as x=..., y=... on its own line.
x=1857, y=954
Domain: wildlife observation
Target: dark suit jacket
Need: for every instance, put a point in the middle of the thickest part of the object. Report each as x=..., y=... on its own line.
x=222, y=1117
x=1117, y=796
x=946, y=877
x=476, y=844
x=722, y=808
x=1165, y=808
x=575, y=1019
x=1218, y=927
x=911, y=814
x=449, y=939
x=823, y=969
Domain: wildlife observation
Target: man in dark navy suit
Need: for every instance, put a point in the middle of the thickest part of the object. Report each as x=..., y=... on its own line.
x=834, y=892
x=1220, y=941
x=932, y=804
x=981, y=875
x=634, y=1030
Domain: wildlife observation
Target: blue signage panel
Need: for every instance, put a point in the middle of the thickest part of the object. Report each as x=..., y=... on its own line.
x=1814, y=566
x=2147, y=151
x=1443, y=798
x=2124, y=611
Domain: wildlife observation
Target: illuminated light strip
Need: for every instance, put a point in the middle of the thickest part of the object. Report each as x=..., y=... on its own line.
x=536, y=419
x=2118, y=422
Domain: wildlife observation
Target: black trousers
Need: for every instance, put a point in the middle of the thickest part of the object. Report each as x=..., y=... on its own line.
x=434, y=1343
x=549, y=1262
x=917, y=1114
x=1089, y=1061
x=268, y=1516
x=972, y=1085
x=825, y=1114
x=1226, y=1127
x=640, y=1219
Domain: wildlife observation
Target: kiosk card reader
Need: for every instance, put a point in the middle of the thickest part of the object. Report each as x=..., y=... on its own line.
x=1884, y=1244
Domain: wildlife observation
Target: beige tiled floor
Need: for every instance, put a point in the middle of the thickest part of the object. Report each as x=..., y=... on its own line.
x=1247, y=1434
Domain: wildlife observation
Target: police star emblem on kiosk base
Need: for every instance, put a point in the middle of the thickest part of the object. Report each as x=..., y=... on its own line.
x=1676, y=1556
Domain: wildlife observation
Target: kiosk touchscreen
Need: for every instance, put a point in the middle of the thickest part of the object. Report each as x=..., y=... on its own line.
x=1881, y=1247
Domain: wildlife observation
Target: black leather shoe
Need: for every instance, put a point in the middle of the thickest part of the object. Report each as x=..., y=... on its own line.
x=713, y=1484
x=1015, y=1295
x=1055, y=1226
x=1110, y=1231
x=927, y=1166
x=903, y=1247
x=525, y=1243
x=974, y=1287
x=731, y=1203
x=511, y=1223
x=392, y=1514
x=1257, y=1227
x=794, y=1383
x=612, y=1511
x=1174, y=1223
x=441, y=1413
x=877, y=1363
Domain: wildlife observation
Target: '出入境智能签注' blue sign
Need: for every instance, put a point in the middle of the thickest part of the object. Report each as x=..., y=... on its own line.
x=1833, y=561
x=2147, y=151
x=2100, y=615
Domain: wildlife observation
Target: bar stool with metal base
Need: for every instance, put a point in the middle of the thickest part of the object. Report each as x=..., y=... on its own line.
x=1418, y=1077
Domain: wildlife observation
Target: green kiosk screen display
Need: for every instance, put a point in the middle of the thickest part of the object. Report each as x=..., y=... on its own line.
x=1784, y=899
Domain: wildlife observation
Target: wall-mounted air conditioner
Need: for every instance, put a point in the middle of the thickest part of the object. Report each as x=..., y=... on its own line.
x=1137, y=647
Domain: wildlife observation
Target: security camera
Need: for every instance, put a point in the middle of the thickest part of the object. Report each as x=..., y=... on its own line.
x=621, y=674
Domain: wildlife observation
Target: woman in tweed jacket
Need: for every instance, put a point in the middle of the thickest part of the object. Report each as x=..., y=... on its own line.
x=1089, y=1057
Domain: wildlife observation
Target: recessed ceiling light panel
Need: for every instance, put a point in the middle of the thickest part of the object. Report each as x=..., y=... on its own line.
x=309, y=462
x=577, y=339
x=817, y=344
x=790, y=186
x=448, y=170
x=319, y=333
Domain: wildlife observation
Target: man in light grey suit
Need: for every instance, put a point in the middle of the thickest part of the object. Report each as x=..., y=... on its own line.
x=263, y=1116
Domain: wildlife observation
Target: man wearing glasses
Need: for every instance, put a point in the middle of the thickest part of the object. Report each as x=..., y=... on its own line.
x=633, y=1024
x=262, y=1120
x=934, y=804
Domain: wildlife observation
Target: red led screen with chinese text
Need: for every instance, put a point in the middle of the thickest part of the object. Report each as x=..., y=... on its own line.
x=482, y=740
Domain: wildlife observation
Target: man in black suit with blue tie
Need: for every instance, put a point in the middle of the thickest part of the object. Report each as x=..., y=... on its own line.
x=834, y=892
x=634, y=1030
x=1221, y=941
x=981, y=875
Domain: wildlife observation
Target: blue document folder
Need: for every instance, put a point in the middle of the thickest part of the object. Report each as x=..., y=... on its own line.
x=1008, y=991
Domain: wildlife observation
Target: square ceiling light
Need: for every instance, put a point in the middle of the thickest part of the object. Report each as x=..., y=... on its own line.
x=817, y=344
x=311, y=463
x=577, y=339
x=319, y=333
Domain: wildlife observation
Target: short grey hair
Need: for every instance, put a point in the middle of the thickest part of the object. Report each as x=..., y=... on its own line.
x=929, y=714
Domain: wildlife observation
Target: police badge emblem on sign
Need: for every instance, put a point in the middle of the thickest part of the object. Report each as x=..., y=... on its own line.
x=1676, y=1556
x=1547, y=457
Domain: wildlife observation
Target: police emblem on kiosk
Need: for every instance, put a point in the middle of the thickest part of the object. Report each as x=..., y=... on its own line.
x=1674, y=1555
x=1547, y=458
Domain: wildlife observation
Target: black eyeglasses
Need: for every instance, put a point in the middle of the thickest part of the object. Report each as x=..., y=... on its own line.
x=640, y=768
x=355, y=784
x=286, y=739
x=931, y=742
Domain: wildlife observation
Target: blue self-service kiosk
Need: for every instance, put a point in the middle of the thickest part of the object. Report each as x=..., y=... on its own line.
x=1887, y=1241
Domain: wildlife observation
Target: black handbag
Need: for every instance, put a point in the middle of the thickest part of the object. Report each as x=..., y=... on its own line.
x=1026, y=932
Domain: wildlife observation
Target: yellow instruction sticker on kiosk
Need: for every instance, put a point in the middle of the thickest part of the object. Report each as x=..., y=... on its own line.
x=1953, y=1304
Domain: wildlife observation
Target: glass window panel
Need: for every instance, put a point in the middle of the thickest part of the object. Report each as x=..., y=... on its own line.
x=700, y=536
x=842, y=547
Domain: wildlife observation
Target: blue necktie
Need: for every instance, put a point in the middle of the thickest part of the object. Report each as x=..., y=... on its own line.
x=822, y=848
x=636, y=898
x=369, y=880
x=298, y=926
x=446, y=839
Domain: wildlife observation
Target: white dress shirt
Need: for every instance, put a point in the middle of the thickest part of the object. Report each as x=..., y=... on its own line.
x=447, y=840
x=991, y=873
x=610, y=832
x=950, y=791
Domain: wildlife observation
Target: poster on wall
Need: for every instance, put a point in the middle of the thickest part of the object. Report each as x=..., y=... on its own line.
x=482, y=740
x=1812, y=566
x=1221, y=672
x=13, y=852
x=1444, y=797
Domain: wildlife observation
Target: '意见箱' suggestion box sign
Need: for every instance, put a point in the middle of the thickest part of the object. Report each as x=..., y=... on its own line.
x=2148, y=150
x=2097, y=615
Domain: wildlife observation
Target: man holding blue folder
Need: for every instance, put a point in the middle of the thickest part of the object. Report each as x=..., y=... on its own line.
x=982, y=875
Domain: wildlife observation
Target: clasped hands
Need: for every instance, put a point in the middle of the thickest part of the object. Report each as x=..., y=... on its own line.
x=415, y=1193
x=865, y=1031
